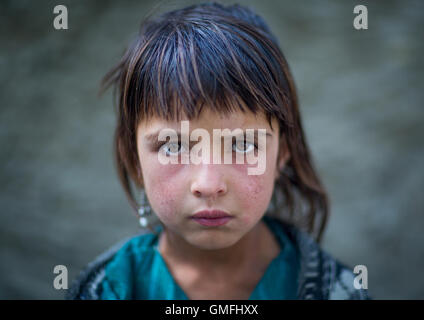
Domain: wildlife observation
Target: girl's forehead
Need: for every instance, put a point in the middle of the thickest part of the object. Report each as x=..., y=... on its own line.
x=210, y=119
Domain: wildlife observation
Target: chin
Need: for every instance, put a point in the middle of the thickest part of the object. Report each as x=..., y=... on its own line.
x=214, y=242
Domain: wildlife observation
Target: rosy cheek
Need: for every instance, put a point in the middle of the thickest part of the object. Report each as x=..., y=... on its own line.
x=164, y=191
x=253, y=192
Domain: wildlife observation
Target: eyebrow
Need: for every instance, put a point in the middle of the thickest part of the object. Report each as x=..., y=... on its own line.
x=154, y=137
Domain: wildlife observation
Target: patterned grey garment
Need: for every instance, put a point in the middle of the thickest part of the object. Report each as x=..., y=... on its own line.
x=321, y=277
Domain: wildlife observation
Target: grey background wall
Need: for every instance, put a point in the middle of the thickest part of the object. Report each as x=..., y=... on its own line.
x=361, y=95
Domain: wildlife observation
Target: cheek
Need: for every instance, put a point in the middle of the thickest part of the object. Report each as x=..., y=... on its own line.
x=164, y=188
x=255, y=193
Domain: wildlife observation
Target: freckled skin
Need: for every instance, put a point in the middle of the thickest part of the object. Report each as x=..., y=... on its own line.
x=177, y=191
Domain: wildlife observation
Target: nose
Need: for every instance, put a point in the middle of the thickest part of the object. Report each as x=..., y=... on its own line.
x=208, y=181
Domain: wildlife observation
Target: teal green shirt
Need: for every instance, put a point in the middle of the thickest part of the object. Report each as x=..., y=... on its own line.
x=138, y=271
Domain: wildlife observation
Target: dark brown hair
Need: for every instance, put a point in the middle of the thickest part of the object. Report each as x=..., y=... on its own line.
x=227, y=58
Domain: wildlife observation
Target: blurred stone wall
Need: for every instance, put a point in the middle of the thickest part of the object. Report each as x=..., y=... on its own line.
x=361, y=95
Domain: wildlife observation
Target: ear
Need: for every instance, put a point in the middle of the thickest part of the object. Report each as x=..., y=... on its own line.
x=283, y=156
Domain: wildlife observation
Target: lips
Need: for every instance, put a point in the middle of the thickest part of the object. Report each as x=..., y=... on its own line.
x=211, y=218
x=211, y=214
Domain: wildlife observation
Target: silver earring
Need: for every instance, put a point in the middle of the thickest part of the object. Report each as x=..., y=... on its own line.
x=144, y=211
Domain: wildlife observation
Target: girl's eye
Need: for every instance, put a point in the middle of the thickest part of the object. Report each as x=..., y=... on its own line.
x=175, y=148
x=172, y=148
x=244, y=146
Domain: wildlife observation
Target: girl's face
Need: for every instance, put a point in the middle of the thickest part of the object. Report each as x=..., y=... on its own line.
x=177, y=191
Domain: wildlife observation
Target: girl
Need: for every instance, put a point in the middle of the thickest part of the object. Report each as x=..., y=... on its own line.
x=213, y=231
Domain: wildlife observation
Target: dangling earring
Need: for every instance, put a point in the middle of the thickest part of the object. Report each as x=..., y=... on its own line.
x=144, y=211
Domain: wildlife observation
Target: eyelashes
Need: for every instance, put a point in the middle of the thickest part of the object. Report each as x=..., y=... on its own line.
x=174, y=148
x=171, y=146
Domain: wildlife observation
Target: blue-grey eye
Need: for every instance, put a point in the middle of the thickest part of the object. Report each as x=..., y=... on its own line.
x=172, y=148
x=244, y=146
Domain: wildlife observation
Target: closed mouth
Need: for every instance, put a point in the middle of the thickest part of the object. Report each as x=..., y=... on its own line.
x=210, y=214
x=212, y=218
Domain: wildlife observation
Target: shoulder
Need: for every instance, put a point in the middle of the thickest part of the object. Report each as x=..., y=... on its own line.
x=87, y=285
x=321, y=276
